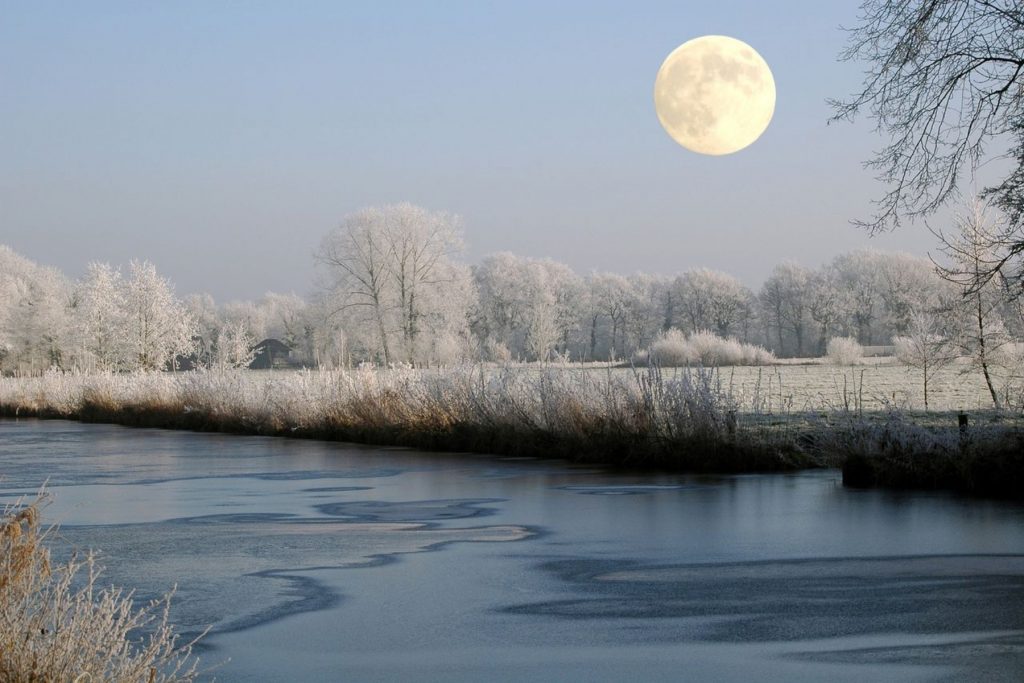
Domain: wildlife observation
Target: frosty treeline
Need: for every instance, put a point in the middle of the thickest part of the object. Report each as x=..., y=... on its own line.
x=391, y=288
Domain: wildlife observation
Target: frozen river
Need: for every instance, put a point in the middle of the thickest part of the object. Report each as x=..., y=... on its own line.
x=323, y=561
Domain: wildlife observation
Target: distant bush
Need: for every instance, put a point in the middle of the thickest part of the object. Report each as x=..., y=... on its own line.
x=1008, y=362
x=844, y=351
x=757, y=355
x=1009, y=356
x=495, y=351
x=672, y=348
x=711, y=350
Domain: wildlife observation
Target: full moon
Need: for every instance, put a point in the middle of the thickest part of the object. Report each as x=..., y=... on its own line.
x=714, y=95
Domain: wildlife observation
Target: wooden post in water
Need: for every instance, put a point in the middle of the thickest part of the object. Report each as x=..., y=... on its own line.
x=961, y=420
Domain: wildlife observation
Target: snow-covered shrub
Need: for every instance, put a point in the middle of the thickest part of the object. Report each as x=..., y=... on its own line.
x=672, y=349
x=757, y=355
x=844, y=351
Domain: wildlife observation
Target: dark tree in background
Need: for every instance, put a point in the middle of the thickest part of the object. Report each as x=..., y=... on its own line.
x=943, y=81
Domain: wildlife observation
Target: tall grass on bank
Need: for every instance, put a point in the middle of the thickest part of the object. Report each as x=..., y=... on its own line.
x=681, y=419
x=57, y=624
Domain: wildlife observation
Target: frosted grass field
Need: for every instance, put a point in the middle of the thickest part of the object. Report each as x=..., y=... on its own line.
x=874, y=385
x=797, y=385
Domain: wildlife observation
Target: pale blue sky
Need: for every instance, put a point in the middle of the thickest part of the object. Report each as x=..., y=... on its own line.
x=221, y=140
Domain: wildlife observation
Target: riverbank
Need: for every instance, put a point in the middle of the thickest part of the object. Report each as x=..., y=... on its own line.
x=647, y=419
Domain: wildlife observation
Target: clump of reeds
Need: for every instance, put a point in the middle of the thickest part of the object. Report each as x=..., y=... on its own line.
x=58, y=624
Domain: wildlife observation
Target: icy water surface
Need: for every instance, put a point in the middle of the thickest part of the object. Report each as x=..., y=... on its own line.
x=318, y=561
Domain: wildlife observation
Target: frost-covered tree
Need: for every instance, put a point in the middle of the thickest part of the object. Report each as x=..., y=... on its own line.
x=386, y=271
x=545, y=307
x=100, y=317
x=34, y=320
x=207, y=318
x=157, y=328
x=665, y=295
x=644, y=312
x=980, y=303
x=907, y=283
x=234, y=346
x=610, y=300
x=249, y=313
x=420, y=245
x=357, y=264
x=498, y=317
x=326, y=342
x=284, y=316
x=708, y=299
x=443, y=335
x=785, y=299
x=858, y=279
x=925, y=347
x=531, y=307
x=870, y=294
x=944, y=80
x=823, y=305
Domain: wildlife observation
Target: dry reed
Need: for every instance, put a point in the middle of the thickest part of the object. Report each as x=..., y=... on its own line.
x=58, y=624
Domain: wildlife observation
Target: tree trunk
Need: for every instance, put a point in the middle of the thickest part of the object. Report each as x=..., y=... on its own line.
x=412, y=331
x=926, y=387
x=981, y=352
x=380, y=329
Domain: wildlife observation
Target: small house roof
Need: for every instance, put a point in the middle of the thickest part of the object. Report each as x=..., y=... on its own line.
x=272, y=345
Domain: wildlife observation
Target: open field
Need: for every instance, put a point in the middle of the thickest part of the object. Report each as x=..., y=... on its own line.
x=747, y=420
x=813, y=384
x=880, y=383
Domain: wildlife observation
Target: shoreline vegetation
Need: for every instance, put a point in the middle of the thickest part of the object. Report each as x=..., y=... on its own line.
x=646, y=418
x=58, y=624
